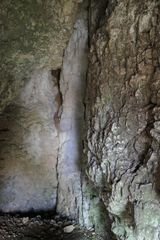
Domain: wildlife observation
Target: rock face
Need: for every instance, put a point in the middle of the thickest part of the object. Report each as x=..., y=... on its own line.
x=41, y=133
x=78, y=137
x=123, y=117
x=28, y=151
x=71, y=119
x=33, y=35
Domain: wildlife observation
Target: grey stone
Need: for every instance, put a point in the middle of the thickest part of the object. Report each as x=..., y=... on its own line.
x=33, y=35
x=68, y=229
x=76, y=137
x=28, y=148
x=122, y=117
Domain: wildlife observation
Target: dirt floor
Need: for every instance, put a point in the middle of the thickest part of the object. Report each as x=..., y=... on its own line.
x=41, y=227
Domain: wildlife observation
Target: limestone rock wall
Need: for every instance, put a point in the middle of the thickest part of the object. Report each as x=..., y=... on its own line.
x=41, y=134
x=28, y=150
x=123, y=117
x=33, y=35
x=72, y=86
x=81, y=138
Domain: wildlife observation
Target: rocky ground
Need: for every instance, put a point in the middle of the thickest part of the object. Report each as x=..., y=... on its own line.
x=43, y=228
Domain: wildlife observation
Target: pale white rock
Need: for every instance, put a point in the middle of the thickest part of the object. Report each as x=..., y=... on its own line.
x=69, y=229
x=25, y=220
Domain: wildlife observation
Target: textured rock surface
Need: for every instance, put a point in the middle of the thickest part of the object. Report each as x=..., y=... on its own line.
x=72, y=85
x=28, y=150
x=33, y=35
x=41, y=135
x=41, y=131
x=123, y=117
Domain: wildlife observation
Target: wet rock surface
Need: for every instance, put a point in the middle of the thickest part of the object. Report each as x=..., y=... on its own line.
x=43, y=228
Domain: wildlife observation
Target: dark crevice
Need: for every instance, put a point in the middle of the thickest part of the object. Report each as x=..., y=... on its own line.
x=57, y=117
x=59, y=98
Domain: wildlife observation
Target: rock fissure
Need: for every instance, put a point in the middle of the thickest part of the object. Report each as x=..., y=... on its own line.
x=59, y=98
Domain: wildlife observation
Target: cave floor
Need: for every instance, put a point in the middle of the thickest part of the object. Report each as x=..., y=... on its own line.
x=40, y=227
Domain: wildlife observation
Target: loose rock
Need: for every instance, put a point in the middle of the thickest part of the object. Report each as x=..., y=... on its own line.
x=68, y=229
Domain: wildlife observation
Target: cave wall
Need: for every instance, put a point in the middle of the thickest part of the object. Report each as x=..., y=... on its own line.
x=34, y=35
x=42, y=126
x=71, y=122
x=122, y=141
x=76, y=136
x=28, y=151
x=41, y=132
